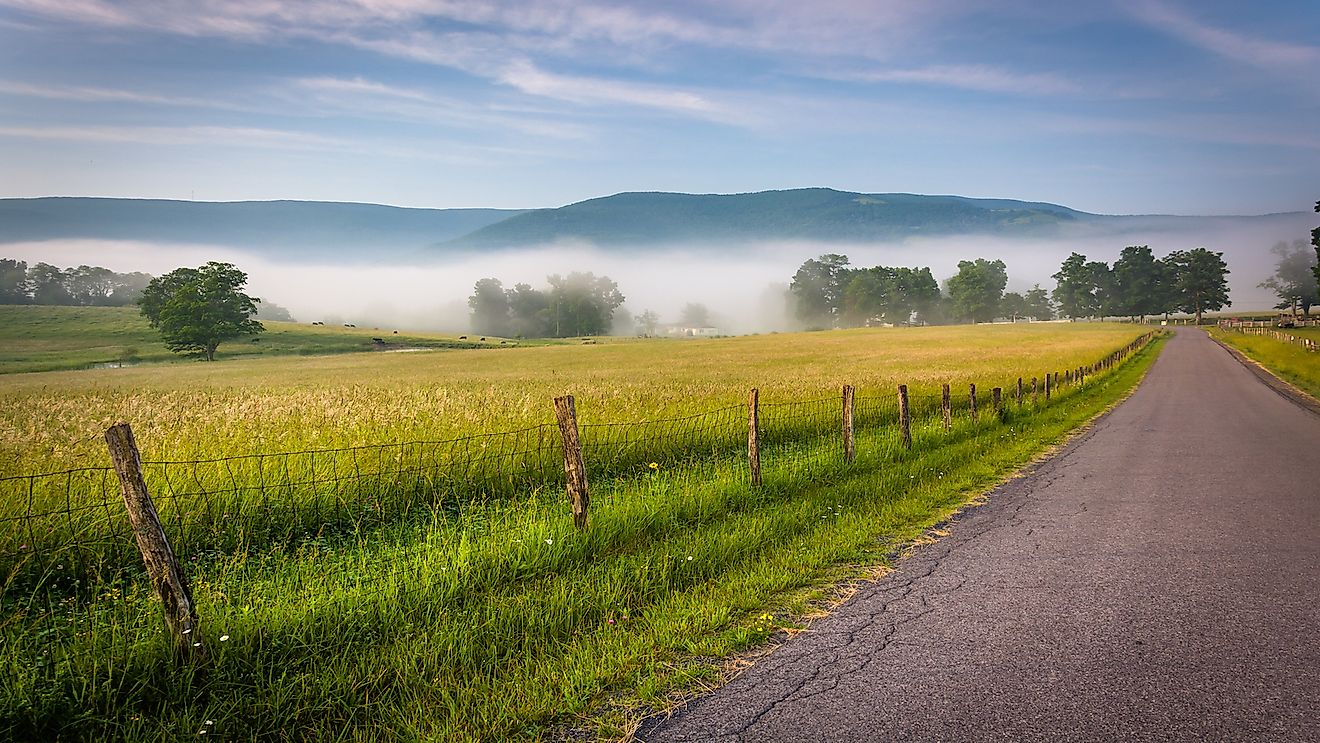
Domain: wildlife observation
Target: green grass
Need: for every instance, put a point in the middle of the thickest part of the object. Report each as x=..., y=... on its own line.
x=497, y=620
x=35, y=339
x=1288, y=361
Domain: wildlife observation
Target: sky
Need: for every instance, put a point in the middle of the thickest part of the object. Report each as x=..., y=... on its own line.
x=1207, y=107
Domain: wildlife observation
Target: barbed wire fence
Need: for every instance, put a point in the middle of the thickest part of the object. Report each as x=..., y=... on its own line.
x=404, y=527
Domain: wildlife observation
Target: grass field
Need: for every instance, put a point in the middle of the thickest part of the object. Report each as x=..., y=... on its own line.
x=34, y=339
x=492, y=618
x=1289, y=361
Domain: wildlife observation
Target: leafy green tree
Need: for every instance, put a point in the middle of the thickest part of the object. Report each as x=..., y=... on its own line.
x=1137, y=283
x=14, y=285
x=866, y=296
x=1013, y=305
x=490, y=308
x=1294, y=277
x=977, y=289
x=818, y=288
x=694, y=315
x=1315, y=241
x=274, y=313
x=89, y=286
x=1200, y=281
x=49, y=285
x=127, y=289
x=582, y=303
x=1105, y=289
x=912, y=291
x=529, y=310
x=647, y=322
x=1075, y=290
x=196, y=309
x=1039, y=306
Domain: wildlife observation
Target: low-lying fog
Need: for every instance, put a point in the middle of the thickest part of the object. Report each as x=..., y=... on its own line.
x=742, y=286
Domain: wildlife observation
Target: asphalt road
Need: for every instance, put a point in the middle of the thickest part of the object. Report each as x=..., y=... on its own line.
x=1158, y=579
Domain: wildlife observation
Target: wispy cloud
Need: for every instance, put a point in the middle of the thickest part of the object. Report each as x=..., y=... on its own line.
x=1253, y=50
x=100, y=95
x=183, y=135
x=971, y=77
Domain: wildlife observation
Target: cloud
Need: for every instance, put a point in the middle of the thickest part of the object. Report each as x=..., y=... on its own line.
x=973, y=77
x=1259, y=52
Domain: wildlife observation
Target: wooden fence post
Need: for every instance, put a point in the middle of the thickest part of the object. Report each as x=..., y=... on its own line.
x=163, y=568
x=971, y=394
x=946, y=404
x=1035, y=392
x=849, y=394
x=904, y=415
x=996, y=397
x=1047, y=387
x=1019, y=393
x=754, y=435
x=575, y=470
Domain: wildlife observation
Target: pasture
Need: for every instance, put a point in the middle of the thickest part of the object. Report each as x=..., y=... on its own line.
x=384, y=595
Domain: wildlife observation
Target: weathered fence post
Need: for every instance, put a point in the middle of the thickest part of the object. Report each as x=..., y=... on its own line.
x=754, y=435
x=971, y=394
x=163, y=568
x=575, y=470
x=1019, y=393
x=996, y=398
x=1035, y=392
x=848, y=397
x=1047, y=387
x=904, y=415
x=946, y=405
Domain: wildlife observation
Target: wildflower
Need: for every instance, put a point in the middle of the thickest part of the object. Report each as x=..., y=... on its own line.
x=689, y=557
x=22, y=546
x=549, y=541
x=224, y=638
x=197, y=644
x=609, y=621
x=653, y=466
x=188, y=631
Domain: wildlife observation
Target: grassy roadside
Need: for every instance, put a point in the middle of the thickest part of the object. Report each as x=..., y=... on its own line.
x=1289, y=362
x=509, y=624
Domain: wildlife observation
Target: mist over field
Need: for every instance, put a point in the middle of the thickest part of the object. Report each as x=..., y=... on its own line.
x=742, y=284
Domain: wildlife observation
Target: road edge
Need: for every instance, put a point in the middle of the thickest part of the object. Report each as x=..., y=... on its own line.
x=1282, y=387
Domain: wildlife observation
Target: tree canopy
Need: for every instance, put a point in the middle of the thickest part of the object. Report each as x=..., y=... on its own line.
x=84, y=286
x=828, y=293
x=576, y=304
x=978, y=288
x=1294, y=276
x=196, y=309
x=1200, y=281
x=1315, y=241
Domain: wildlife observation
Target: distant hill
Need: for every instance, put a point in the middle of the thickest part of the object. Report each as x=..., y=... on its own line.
x=277, y=229
x=820, y=214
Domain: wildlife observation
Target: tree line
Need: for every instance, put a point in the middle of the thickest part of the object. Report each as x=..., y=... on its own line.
x=83, y=286
x=828, y=292
x=573, y=305
x=1139, y=285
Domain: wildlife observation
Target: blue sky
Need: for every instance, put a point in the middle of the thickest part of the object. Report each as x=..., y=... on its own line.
x=1126, y=107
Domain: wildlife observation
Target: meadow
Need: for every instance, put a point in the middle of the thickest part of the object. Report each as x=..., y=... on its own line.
x=42, y=338
x=404, y=602
x=1289, y=361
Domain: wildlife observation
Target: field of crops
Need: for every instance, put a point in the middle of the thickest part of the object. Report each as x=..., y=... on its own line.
x=364, y=567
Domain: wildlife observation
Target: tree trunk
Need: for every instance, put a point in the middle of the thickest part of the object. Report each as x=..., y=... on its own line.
x=210, y=352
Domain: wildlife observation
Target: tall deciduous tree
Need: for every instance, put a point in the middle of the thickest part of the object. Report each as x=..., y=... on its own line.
x=1294, y=277
x=196, y=309
x=1039, y=306
x=977, y=288
x=490, y=308
x=818, y=287
x=14, y=285
x=694, y=315
x=582, y=303
x=49, y=285
x=1136, y=283
x=1201, y=280
x=1075, y=290
x=1315, y=241
x=647, y=322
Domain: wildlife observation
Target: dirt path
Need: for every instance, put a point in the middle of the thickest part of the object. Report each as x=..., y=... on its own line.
x=1159, y=579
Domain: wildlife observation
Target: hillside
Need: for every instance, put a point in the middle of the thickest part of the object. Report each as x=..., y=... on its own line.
x=277, y=229
x=802, y=214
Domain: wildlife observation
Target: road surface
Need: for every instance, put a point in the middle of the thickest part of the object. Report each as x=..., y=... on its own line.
x=1158, y=579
